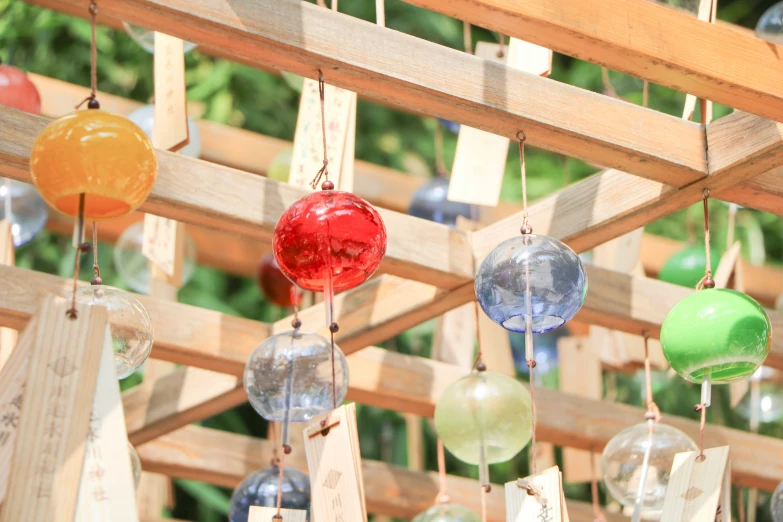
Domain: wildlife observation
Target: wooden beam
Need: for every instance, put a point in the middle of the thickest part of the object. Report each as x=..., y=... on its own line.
x=642, y=39
x=422, y=76
x=224, y=459
x=235, y=202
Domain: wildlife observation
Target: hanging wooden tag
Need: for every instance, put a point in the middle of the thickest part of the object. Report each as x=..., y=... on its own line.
x=480, y=159
x=8, y=336
x=455, y=337
x=308, y=154
x=334, y=462
x=54, y=421
x=266, y=514
x=107, y=491
x=164, y=245
x=548, y=506
x=580, y=374
x=696, y=489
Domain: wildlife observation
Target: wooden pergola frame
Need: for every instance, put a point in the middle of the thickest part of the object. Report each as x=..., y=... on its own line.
x=658, y=165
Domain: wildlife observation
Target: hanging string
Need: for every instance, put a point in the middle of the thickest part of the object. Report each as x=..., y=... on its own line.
x=81, y=247
x=467, y=37
x=484, y=490
x=599, y=516
x=609, y=89
x=502, y=42
x=296, y=299
x=333, y=328
x=652, y=416
x=526, y=228
x=706, y=281
x=645, y=93
x=92, y=98
x=653, y=412
x=443, y=494
x=324, y=171
x=440, y=162
x=96, y=270
x=702, y=408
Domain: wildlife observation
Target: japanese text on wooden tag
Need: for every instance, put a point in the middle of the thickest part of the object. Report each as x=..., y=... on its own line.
x=266, y=514
x=164, y=245
x=696, y=490
x=334, y=463
x=170, y=131
x=547, y=505
x=308, y=153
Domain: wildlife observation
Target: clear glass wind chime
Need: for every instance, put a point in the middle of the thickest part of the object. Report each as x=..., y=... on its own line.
x=326, y=242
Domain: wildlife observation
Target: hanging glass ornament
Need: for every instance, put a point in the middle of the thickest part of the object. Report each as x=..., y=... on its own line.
x=531, y=278
x=134, y=268
x=719, y=333
x=329, y=241
x=484, y=417
x=770, y=25
x=135, y=465
x=769, y=404
x=17, y=91
x=449, y=125
x=129, y=324
x=430, y=201
x=294, y=81
x=280, y=168
x=447, y=513
x=690, y=6
x=104, y=156
x=686, y=267
x=623, y=457
x=776, y=504
x=546, y=352
x=144, y=117
x=260, y=489
x=28, y=211
x=275, y=286
x=146, y=38
x=288, y=378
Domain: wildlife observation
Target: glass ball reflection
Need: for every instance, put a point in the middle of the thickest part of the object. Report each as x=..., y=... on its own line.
x=273, y=283
x=770, y=25
x=621, y=463
x=288, y=377
x=430, y=201
x=146, y=38
x=686, y=267
x=484, y=407
x=129, y=323
x=720, y=332
x=260, y=489
x=329, y=235
x=29, y=211
x=134, y=268
x=556, y=277
x=135, y=465
x=280, y=168
x=544, y=350
x=776, y=504
x=769, y=405
x=144, y=117
x=17, y=91
x=447, y=513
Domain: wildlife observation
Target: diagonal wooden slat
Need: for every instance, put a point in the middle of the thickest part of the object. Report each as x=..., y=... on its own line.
x=642, y=39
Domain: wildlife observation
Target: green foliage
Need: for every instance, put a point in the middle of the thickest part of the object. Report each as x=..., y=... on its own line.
x=58, y=46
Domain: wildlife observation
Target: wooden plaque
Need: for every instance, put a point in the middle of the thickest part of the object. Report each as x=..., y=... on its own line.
x=696, y=489
x=522, y=507
x=8, y=336
x=170, y=131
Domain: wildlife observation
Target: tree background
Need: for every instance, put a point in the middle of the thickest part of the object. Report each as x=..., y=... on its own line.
x=58, y=46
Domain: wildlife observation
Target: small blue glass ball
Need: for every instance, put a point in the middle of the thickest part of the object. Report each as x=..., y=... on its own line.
x=430, y=201
x=29, y=211
x=544, y=349
x=260, y=489
x=552, y=272
x=770, y=25
x=449, y=125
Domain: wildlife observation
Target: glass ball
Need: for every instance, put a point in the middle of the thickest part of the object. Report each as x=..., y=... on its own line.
x=144, y=117
x=294, y=81
x=17, y=91
x=776, y=504
x=289, y=376
x=690, y=6
x=447, y=513
x=554, y=273
x=28, y=211
x=719, y=332
x=329, y=231
x=280, y=168
x=544, y=350
x=770, y=25
x=92, y=152
x=129, y=323
x=621, y=463
x=260, y=489
x=449, y=125
x=484, y=406
x=134, y=268
x=146, y=38
x=686, y=267
x=430, y=202
x=135, y=465
x=769, y=406
x=273, y=283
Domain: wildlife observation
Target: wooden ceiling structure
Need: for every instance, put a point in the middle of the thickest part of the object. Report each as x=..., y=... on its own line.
x=658, y=164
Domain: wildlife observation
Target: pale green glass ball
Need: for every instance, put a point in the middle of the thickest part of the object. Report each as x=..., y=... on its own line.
x=447, y=513
x=484, y=407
